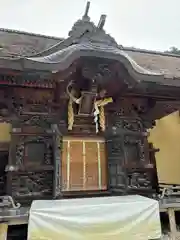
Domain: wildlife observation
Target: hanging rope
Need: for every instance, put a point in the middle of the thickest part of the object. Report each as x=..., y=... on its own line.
x=102, y=118
x=70, y=115
x=70, y=106
x=99, y=113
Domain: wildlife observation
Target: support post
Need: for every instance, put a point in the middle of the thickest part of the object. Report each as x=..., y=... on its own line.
x=172, y=223
x=57, y=142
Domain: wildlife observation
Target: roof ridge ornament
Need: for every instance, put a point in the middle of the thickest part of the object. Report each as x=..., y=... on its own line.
x=85, y=16
x=85, y=30
x=82, y=25
x=102, y=21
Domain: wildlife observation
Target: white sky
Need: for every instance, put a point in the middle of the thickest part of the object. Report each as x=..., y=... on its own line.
x=148, y=24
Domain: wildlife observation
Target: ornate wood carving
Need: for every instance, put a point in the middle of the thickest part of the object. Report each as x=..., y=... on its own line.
x=139, y=180
x=23, y=143
x=30, y=169
x=29, y=80
x=106, y=73
x=129, y=148
x=43, y=121
x=127, y=124
x=33, y=108
x=19, y=104
x=32, y=101
x=32, y=185
x=134, y=150
x=116, y=170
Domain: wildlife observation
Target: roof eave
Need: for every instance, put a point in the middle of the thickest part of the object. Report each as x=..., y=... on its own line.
x=61, y=61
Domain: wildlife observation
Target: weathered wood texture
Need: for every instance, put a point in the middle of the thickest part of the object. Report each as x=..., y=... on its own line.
x=30, y=167
x=172, y=223
x=39, y=122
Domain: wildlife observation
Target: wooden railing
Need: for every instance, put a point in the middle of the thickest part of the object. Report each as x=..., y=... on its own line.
x=170, y=191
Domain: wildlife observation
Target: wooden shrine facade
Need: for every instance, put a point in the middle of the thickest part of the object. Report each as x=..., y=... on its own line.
x=57, y=150
x=80, y=113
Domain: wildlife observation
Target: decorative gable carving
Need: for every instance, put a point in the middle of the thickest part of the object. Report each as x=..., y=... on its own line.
x=81, y=27
x=85, y=30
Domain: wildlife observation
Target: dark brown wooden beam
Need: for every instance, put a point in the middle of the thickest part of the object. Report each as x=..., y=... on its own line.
x=4, y=146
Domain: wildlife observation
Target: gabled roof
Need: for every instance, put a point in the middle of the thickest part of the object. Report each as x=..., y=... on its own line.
x=19, y=43
x=85, y=39
x=14, y=43
x=167, y=64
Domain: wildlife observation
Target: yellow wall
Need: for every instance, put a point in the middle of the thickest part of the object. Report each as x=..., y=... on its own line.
x=5, y=129
x=166, y=137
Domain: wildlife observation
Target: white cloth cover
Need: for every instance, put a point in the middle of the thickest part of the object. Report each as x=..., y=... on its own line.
x=101, y=218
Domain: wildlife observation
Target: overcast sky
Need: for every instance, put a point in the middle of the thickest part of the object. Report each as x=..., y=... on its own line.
x=148, y=24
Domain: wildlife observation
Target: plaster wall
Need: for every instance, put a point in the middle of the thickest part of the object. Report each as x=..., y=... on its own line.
x=5, y=129
x=166, y=137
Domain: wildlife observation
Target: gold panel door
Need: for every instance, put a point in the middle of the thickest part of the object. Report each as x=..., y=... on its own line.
x=91, y=166
x=83, y=165
x=76, y=166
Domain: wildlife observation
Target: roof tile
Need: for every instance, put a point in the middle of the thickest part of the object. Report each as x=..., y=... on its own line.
x=18, y=43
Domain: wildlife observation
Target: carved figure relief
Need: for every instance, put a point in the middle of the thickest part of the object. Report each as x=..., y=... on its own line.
x=32, y=174
x=134, y=150
x=139, y=180
x=40, y=146
x=129, y=154
x=32, y=184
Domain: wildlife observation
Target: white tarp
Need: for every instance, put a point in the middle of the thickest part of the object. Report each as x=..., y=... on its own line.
x=104, y=218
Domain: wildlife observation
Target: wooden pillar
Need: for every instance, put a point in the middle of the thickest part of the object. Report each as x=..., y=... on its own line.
x=115, y=156
x=57, y=146
x=3, y=231
x=172, y=223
